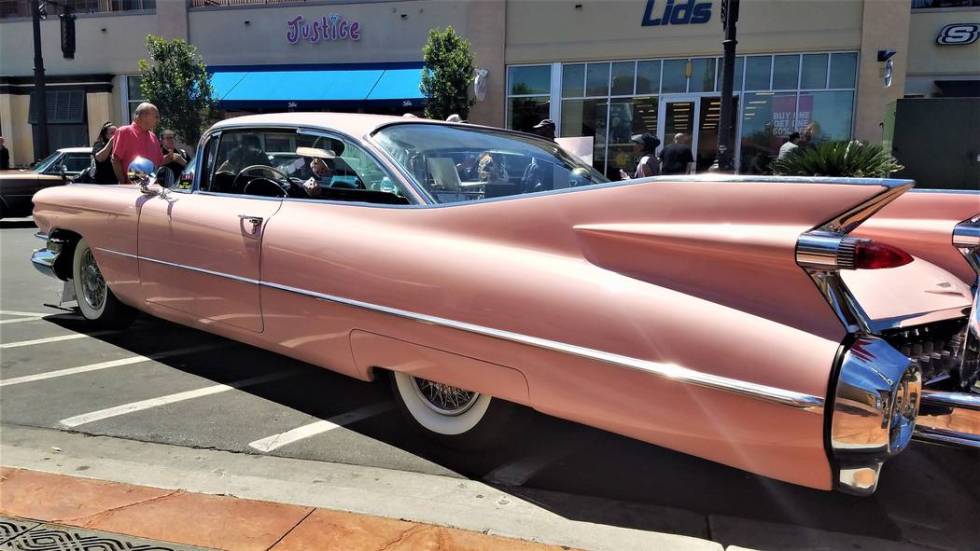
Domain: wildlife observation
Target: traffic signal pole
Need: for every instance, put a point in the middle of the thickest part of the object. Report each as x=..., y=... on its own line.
x=726, y=130
x=40, y=96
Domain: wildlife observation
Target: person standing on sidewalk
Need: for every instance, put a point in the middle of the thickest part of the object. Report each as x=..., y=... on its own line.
x=4, y=155
x=174, y=157
x=102, y=155
x=791, y=145
x=676, y=157
x=137, y=140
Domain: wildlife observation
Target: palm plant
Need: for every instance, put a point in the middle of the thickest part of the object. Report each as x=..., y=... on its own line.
x=845, y=158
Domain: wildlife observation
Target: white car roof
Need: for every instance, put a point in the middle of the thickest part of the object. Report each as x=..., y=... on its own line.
x=75, y=150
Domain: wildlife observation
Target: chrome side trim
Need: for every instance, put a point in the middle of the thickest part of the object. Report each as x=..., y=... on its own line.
x=920, y=318
x=183, y=266
x=668, y=371
x=672, y=372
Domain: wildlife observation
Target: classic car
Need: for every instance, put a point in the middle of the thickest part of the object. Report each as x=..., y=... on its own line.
x=18, y=186
x=797, y=328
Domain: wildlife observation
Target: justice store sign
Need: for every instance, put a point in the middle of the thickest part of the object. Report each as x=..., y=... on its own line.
x=329, y=28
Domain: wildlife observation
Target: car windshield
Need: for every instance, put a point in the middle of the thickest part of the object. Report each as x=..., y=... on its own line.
x=47, y=162
x=456, y=163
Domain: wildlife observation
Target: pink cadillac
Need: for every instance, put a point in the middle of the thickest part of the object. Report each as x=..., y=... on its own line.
x=802, y=329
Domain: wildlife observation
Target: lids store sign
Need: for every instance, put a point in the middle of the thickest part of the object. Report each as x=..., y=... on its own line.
x=329, y=28
x=681, y=12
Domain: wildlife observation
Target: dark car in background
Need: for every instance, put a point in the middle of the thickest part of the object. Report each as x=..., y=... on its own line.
x=17, y=187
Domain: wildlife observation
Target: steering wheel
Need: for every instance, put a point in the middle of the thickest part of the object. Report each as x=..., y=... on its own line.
x=275, y=172
x=264, y=187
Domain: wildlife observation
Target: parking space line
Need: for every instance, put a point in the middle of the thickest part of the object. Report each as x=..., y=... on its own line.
x=517, y=473
x=20, y=320
x=61, y=338
x=277, y=441
x=141, y=405
x=107, y=365
x=45, y=316
x=30, y=314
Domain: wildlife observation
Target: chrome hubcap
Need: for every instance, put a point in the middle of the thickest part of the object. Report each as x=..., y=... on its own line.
x=93, y=285
x=444, y=399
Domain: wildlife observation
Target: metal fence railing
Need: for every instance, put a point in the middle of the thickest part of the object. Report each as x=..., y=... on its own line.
x=235, y=3
x=22, y=8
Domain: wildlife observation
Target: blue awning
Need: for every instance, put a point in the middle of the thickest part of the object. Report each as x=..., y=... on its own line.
x=321, y=86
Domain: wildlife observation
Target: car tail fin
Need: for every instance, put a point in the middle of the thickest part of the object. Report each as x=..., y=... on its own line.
x=827, y=249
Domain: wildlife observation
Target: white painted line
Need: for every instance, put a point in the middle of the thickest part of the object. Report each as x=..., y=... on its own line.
x=51, y=316
x=106, y=365
x=61, y=338
x=277, y=441
x=131, y=407
x=30, y=314
x=20, y=320
x=517, y=473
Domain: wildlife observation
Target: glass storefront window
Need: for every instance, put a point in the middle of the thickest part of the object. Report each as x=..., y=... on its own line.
x=767, y=119
x=597, y=79
x=814, y=71
x=674, y=78
x=648, y=77
x=703, y=75
x=524, y=113
x=757, y=73
x=573, y=80
x=825, y=116
x=786, y=72
x=737, y=81
x=587, y=118
x=530, y=80
x=626, y=118
x=843, y=70
x=708, y=122
x=622, y=78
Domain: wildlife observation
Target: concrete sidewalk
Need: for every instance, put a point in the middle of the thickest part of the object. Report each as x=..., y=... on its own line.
x=217, y=522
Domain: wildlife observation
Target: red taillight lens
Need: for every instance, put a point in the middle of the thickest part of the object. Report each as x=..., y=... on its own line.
x=870, y=255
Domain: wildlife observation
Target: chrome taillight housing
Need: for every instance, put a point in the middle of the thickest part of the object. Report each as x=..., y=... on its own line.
x=830, y=251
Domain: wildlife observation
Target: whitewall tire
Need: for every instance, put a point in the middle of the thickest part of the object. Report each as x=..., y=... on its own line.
x=95, y=300
x=451, y=415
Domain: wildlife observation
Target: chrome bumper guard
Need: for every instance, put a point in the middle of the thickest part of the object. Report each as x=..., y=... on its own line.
x=44, y=259
x=874, y=411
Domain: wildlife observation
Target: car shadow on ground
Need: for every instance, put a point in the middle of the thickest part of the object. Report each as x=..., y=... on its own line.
x=17, y=223
x=597, y=476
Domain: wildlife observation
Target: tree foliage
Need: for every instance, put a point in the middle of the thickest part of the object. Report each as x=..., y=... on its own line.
x=447, y=75
x=844, y=158
x=176, y=80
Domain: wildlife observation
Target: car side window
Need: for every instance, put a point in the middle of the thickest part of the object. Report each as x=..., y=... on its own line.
x=297, y=165
x=76, y=162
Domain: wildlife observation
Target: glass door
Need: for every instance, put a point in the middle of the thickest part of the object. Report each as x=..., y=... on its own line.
x=679, y=114
x=706, y=149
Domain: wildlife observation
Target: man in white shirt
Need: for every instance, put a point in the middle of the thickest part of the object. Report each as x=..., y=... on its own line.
x=791, y=144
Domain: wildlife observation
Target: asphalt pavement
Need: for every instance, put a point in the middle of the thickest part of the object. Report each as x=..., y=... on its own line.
x=160, y=383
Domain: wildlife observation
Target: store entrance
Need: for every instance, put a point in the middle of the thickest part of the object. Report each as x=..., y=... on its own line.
x=697, y=117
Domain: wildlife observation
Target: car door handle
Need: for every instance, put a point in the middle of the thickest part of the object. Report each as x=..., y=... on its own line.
x=255, y=221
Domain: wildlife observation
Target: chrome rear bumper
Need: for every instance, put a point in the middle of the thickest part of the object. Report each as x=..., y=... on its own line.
x=951, y=418
x=44, y=259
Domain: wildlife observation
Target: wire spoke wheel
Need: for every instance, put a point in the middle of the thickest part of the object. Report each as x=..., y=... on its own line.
x=93, y=284
x=445, y=399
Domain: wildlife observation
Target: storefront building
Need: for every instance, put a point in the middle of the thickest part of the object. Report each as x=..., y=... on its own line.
x=604, y=69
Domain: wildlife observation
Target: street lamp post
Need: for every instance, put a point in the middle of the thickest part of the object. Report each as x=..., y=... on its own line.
x=40, y=97
x=726, y=130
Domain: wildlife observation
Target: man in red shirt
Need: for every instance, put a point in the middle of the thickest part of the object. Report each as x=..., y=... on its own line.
x=137, y=140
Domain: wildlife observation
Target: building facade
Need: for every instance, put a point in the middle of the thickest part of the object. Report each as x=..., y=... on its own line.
x=605, y=69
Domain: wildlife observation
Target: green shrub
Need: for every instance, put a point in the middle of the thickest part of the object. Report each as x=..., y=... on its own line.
x=846, y=158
